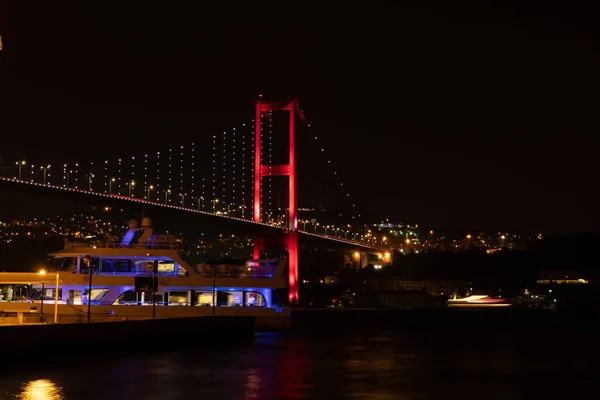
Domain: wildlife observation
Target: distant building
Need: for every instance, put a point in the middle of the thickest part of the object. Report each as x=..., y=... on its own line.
x=561, y=277
x=432, y=287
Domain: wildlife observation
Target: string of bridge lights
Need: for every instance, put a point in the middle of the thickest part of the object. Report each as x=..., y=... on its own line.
x=335, y=172
x=115, y=174
x=90, y=175
x=214, y=172
x=146, y=186
x=181, y=169
x=132, y=181
x=157, y=174
x=243, y=178
x=170, y=171
x=223, y=165
x=106, y=176
x=119, y=177
x=113, y=182
x=233, y=196
x=193, y=170
x=202, y=191
x=227, y=190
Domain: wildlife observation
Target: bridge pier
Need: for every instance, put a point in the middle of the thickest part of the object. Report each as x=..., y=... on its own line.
x=288, y=241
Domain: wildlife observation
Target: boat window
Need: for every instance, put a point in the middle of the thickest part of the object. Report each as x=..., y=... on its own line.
x=166, y=267
x=67, y=264
x=128, y=297
x=231, y=299
x=74, y=297
x=48, y=294
x=97, y=294
x=133, y=297
x=178, y=297
x=204, y=299
x=116, y=266
x=139, y=267
x=14, y=292
x=254, y=299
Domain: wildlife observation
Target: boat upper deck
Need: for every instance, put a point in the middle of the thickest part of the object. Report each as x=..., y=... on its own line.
x=113, y=244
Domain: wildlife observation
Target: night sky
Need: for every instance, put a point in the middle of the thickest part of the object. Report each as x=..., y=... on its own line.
x=448, y=116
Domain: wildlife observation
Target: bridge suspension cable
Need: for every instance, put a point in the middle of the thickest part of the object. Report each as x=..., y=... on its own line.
x=180, y=176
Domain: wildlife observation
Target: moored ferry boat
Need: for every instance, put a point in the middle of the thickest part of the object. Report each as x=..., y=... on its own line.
x=143, y=276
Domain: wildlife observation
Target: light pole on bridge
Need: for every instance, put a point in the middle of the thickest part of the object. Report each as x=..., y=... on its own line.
x=151, y=187
x=20, y=164
x=167, y=195
x=90, y=179
x=131, y=185
x=110, y=182
x=45, y=171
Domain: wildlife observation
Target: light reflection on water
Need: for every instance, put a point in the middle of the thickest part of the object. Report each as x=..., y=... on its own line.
x=287, y=366
x=40, y=389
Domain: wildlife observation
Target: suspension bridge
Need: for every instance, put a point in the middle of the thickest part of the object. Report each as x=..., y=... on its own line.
x=239, y=184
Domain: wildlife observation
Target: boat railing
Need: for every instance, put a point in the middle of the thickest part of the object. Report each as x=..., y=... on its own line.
x=118, y=245
x=185, y=304
x=237, y=274
x=137, y=274
x=180, y=273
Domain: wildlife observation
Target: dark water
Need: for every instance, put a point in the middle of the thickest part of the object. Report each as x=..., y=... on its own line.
x=336, y=365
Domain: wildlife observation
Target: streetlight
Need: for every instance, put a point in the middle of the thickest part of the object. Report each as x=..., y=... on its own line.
x=42, y=272
x=214, y=288
x=110, y=182
x=20, y=164
x=88, y=261
x=131, y=185
x=200, y=202
x=45, y=169
x=56, y=301
x=215, y=201
x=91, y=176
x=149, y=189
x=167, y=195
x=154, y=266
x=182, y=199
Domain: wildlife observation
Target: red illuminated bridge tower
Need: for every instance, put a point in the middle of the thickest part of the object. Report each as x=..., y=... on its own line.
x=289, y=239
